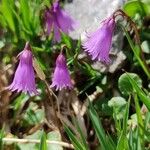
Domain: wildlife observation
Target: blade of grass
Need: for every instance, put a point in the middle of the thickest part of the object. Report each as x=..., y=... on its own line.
x=7, y=13
x=112, y=143
x=117, y=123
x=83, y=139
x=123, y=142
x=147, y=120
x=140, y=121
x=1, y=138
x=145, y=69
x=140, y=93
x=105, y=141
x=130, y=141
x=43, y=145
x=97, y=126
x=75, y=141
x=25, y=11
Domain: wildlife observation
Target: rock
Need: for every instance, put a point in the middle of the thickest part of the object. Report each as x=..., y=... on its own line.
x=89, y=14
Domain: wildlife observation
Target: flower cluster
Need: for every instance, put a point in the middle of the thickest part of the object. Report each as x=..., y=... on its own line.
x=97, y=45
x=24, y=78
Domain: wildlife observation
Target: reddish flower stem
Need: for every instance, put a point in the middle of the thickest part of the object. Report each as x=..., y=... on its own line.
x=133, y=26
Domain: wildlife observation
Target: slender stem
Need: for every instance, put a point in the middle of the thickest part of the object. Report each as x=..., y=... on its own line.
x=41, y=75
x=64, y=144
x=51, y=101
x=139, y=118
x=144, y=67
x=141, y=60
x=52, y=93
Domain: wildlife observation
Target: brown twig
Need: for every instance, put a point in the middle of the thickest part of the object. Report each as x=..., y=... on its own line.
x=50, y=92
x=42, y=76
x=64, y=144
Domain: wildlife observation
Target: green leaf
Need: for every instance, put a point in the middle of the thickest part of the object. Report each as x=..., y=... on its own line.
x=142, y=96
x=130, y=141
x=136, y=53
x=118, y=104
x=6, y=10
x=43, y=145
x=147, y=120
x=98, y=127
x=66, y=40
x=3, y=22
x=1, y=138
x=19, y=101
x=140, y=121
x=134, y=6
x=82, y=137
x=124, y=84
x=25, y=12
x=33, y=115
x=146, y=127
x=123, y=142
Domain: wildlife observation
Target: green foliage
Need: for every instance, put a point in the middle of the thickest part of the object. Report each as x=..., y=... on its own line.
x=75, y=141
x=1, y=138
x=105, y=141
x=143, y=97
x=43, y=145
x=82, y=136
x=127, y=139
x=124, y=84
x=20, y=19
x=133, y=7
x=54, y=136
x=123, y=141
x=33, y=115
x=118, y=104
x=19, y=102
x=122, y=105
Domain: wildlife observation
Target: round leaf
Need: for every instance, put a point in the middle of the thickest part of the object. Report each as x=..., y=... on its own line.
x=117, y=102
x=125, y=85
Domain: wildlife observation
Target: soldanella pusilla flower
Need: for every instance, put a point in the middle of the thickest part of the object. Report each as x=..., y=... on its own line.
x=98, y=43
x=61, y=77
x=57, y=21
x=24, y=78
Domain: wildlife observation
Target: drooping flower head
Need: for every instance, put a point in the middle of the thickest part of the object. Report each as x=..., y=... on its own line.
x=24, y=78
x=98, y=43
x=57, y=21
x=61, y=78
